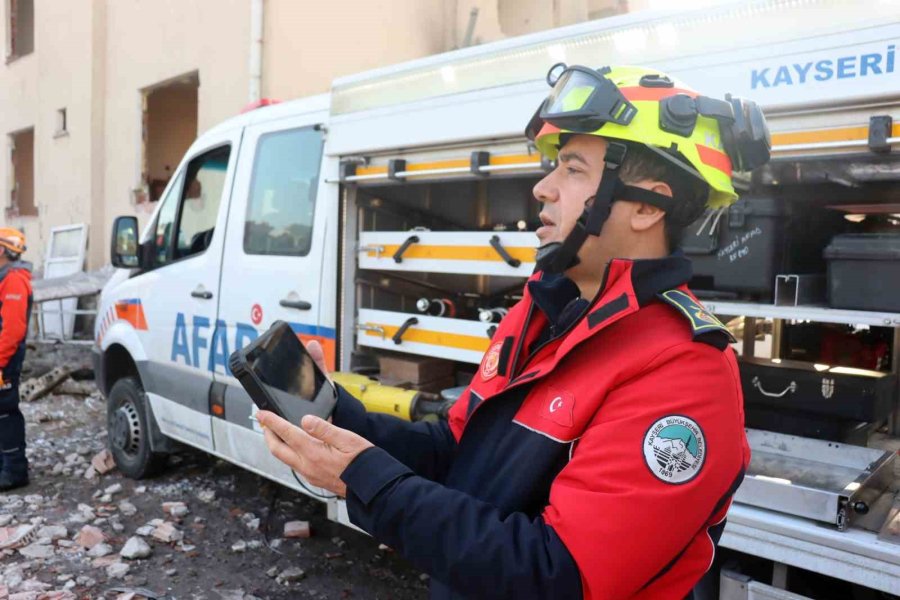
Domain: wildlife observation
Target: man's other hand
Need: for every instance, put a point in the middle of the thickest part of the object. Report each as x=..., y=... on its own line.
x=318, y=355
x=317, y=450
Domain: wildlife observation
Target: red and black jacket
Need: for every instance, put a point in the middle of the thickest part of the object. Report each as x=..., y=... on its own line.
x=15, y=312
x=596, y=462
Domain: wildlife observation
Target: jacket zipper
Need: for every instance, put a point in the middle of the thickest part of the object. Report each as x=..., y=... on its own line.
x=571, y=326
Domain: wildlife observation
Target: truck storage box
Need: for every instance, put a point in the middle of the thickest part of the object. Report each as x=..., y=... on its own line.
x=834, y=392
x=864, y=271
x=414, y=369
x=807, y=425
x=742, y=249
x=506, y=253
x=454, y=339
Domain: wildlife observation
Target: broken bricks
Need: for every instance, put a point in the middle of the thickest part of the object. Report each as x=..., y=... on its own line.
x=117, y=570
x=297, y=529
x=103, y=462
x=38, y=387
x=291, y=575
x=89, y=536
x=17, y=537
x=167, y=532
x=176, y=510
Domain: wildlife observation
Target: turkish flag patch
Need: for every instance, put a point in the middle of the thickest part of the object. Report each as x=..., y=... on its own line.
x=559, y=407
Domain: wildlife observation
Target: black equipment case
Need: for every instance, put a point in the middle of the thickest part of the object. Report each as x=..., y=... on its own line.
x=864, y=271
x=742, y=249
x=814, y=400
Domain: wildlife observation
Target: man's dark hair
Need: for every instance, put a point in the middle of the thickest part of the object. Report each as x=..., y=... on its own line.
x=690, y=193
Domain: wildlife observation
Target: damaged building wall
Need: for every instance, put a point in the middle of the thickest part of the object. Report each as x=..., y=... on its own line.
x=302, y=53
x=155, y=43
x=33, y=88
x=171, y=127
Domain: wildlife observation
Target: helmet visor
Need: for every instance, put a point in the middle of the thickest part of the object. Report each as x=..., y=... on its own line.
x=583, y=100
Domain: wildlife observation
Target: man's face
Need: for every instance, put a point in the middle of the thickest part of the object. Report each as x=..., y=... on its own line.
x=564, y=191
x=567, y=190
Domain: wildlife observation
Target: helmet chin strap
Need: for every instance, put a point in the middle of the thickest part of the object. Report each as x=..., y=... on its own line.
x=558, y=257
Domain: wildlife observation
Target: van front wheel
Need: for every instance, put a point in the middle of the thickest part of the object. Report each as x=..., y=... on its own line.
x=129, y=432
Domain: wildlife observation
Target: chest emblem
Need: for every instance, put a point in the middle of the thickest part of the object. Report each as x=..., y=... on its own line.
x=559, y=407
x=674, y=449
x=491, y=362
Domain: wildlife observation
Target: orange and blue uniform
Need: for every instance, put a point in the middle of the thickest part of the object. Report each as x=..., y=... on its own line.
x=15, y=313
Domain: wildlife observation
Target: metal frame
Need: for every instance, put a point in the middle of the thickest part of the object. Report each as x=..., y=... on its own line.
x=856, y=556
x=525, y=166
x=39, y=315
x=736, y=586
x=77, y=263
x=804, y=313
x=814, y=479
x=799, y=290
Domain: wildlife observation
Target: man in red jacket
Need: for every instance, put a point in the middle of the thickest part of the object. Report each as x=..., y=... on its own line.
x=597, y=449
x=15, y=312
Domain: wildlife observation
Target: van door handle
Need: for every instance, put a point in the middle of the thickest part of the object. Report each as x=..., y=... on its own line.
x=201, y=293
x=298, y=304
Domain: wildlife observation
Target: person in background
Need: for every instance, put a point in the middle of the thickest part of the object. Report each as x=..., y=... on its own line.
x=15, y=314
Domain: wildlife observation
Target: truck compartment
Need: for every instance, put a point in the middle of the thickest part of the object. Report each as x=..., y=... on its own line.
x=439, y=255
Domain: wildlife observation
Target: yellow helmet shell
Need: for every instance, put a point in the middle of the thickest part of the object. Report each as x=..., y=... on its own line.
x=704, y=148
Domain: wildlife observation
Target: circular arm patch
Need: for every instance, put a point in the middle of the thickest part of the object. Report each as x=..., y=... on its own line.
x=674, y=449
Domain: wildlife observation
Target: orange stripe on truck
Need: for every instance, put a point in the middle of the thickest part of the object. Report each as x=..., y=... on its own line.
x=133, y=313
x=455, y=163
x=434, y=252
x=435, y=338
x=837, y=134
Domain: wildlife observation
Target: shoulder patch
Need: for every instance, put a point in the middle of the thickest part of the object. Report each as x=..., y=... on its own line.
x=706, y=328
x=675, y=449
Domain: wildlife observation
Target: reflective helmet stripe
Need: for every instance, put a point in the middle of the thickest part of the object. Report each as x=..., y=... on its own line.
x=715, y=159
x=638, y=93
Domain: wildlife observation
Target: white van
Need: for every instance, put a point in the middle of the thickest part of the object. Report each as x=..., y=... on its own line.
x=339, y=213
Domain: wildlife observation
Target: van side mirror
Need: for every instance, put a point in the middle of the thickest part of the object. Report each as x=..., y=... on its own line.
x=124, y=250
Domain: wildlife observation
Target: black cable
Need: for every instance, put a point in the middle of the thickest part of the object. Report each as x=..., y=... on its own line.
x=305, y=487
x=268, y=521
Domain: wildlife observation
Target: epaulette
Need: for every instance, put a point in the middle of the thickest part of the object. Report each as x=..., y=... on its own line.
x=706, y=328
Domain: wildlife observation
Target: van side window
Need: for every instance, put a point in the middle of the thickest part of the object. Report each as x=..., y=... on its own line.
x=283, y=193
x=200, y=199
x=165, y=223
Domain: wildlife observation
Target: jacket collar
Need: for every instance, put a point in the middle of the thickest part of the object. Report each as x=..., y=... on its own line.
x=627, y=286
x=649, y=277
x=552, y=293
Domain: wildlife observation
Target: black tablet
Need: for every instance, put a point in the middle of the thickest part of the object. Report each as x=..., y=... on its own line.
x=281, y=376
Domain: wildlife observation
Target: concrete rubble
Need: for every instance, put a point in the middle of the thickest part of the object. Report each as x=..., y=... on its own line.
x=203, y=529
x=135, y=548
x=296, y=529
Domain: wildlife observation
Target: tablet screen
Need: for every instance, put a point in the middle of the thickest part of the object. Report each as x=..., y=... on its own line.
x=284, y=364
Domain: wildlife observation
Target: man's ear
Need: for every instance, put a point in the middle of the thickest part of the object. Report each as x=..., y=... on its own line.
x=645, y=216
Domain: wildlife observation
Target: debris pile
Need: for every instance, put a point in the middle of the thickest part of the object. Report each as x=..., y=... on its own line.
x=204, y=529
